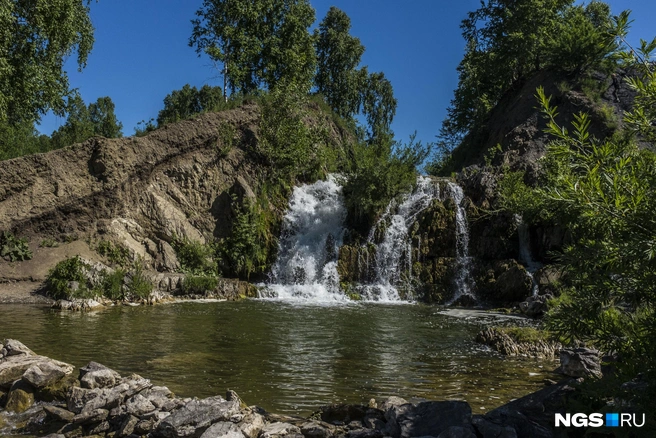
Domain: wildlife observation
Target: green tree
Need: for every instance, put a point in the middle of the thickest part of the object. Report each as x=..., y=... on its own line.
x=263, y=43
x=188, y=101
x=378, y=103
x=82, y=123
x=18, y=139
x=36, y=36
x=338, y=56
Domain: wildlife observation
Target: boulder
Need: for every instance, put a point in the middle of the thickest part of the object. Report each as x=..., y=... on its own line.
x=252, y=424
x=457, y=432
x=223, y=429
x=44, y=374
x=127, y=426
x=55, y=413
x=91, y=417
x=57, y=390
x=16, y=348
x=139, y=405
x=95, y=375
x=580, y=362
x=280, y=430
x=428, y=418
x=488, y=429
x=20, y=397
x=314, y=429
x=197, y=414
x=535, y=306
x=343, y=413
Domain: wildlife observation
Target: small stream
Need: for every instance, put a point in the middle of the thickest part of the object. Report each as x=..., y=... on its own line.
x=285, y=357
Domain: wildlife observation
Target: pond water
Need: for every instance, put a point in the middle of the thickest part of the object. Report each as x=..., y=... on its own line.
x=286, y=357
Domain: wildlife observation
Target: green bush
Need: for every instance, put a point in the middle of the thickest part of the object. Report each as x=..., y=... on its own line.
x=115, y=253
x=139, y=286
x=49, y=243
x=112, y=285
x=195, y=258
x=14, y=249
x=199, y=284
x=72, y=269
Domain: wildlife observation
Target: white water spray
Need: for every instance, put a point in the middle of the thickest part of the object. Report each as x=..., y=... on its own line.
x=396, y=246
x=464, y=282
x=313, y=229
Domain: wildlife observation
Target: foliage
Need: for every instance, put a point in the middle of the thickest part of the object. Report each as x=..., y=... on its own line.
x=189, y=101
x=14, y=249
x=36, y=36
x=116, y=254
x=49, y=243
x=199, y=284
x=139, y=286
x=509, y=40
x=379, y=172
x=144, y=127
x=248, y=249
x=20, y=139
x=71, y=269
x=195, y=257
x=112, y=285
x=338, y=55
x=98, y=119
x=259, y=43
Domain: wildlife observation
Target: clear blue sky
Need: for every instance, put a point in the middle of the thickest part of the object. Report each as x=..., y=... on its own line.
x=141, y=54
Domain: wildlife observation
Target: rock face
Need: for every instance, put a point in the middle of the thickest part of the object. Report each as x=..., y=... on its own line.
x=179, y=181
x=580, y=362
x=509, y=346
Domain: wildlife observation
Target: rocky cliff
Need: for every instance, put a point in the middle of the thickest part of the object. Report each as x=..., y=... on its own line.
x=182, y=181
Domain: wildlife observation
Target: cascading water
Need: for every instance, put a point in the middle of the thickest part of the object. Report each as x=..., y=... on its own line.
x=313, y=229
x=396, y=247
x=463, y=280
x=525, y=255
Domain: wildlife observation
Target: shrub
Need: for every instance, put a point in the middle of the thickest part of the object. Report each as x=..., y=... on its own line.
x=199, y=284
x=49, y=243
x=115, y=253
x=72, y=269
x=14, y=249
x=139, y=286
x=112, y=285
x=195, y=258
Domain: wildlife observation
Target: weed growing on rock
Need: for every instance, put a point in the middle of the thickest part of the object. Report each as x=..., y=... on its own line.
x=139, y=286
x=67, y=280
x=199, y=284
x=14, y=249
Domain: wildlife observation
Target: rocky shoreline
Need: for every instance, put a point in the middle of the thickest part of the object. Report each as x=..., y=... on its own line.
x=40, y=396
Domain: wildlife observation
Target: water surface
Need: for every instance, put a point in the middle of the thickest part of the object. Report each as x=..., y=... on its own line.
x=285, y=357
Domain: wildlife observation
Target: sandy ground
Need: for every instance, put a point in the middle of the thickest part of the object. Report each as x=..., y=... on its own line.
x=22, y=292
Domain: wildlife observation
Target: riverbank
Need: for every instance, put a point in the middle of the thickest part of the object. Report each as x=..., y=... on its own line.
x=44, y=396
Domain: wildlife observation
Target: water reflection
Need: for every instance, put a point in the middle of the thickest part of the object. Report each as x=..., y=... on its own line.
x=285, y=357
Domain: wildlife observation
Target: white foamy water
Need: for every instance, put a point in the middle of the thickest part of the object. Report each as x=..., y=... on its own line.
x=393, y=257
x=313, y=228
x=464, y=282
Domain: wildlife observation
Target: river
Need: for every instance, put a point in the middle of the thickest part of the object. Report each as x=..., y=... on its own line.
x=284, y=356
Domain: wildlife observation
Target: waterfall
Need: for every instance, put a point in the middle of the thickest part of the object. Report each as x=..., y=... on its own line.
x=525, y=255
x=313, y=228
x=395, y=247
x=464, y=281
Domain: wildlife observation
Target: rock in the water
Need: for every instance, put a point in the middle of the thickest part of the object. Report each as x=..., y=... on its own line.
x=16, y=348
x=58, y=414
x=223, y=429
x=314, y=429
x=280, y=430
x=535, y=306
x=428, y=418
x=197, y=414
x=44, y=374
x=343, y=413
x=20, y=397
x=95, y=375
x=580, y=362
x=13, y=367
x=252, y=424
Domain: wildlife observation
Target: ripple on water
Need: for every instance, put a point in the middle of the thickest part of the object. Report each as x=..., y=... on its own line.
x=288, y=357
